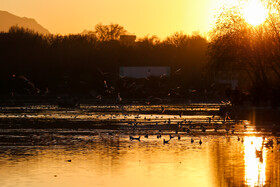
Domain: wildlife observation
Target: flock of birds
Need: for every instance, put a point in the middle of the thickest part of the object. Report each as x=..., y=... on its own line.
x=267, y=142
x=164, y=140
x=134, y=87
x=136, y=121
x=189, y=130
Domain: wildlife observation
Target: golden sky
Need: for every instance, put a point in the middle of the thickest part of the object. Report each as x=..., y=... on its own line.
x=140, y=17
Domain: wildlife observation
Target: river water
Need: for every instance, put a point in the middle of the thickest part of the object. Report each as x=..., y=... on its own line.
x=79, y=157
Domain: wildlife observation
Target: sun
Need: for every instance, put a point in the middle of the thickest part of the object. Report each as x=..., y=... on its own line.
x=254, y=12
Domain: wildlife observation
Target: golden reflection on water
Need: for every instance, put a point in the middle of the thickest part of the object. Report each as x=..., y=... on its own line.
x=221, y=161
x=255, y=161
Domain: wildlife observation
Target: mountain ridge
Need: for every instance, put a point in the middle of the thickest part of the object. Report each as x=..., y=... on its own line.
x=8, y=20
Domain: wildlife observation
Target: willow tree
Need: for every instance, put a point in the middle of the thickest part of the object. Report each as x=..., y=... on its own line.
x=237, y=46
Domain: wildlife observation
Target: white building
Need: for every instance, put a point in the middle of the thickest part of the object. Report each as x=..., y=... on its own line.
x=144, y=71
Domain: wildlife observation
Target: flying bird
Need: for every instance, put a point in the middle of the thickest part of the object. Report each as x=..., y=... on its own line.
x=101, y=72
x=178, y=71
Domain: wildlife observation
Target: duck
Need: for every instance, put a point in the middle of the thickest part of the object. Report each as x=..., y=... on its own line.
x=146, y=136
x=110, y=133
x=166, y=141
x=170, y=136
x=203, y=129
x=134, y=138
x=179, y=137
x=192, y=140
x=200, y=142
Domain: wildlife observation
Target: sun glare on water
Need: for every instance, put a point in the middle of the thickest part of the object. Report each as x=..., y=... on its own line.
x=254, y=12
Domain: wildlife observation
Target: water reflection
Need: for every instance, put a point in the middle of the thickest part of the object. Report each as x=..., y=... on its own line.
x=255, y=158
x=219, y=161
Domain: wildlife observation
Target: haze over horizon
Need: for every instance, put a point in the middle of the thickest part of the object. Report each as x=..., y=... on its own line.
x=161, y=18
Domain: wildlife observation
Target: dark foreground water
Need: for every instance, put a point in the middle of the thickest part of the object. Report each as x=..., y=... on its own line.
x=237, y=154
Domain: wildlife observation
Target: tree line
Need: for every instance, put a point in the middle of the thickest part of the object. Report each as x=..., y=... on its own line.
x=88, y=64
x=34, y=64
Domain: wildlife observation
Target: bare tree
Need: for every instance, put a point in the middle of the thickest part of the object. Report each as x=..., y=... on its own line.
x=109, y=32
x=177, y=39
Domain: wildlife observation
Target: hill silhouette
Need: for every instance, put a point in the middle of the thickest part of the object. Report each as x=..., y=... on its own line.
x=8, y=20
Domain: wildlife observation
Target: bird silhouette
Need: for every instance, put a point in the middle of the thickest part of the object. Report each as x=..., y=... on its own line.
x=134, y=138
x=162, y=109
x=203, y=129
x=178, y=70
x=101, y=72
x=166, y=141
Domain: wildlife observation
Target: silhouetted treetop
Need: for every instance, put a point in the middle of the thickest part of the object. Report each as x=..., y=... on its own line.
x=177, y=39
x=109, y=32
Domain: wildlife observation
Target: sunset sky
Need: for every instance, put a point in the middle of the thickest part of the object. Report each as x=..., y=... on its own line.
x=140, y=17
